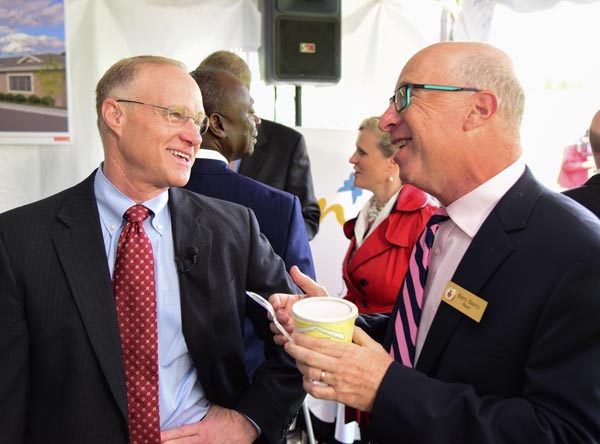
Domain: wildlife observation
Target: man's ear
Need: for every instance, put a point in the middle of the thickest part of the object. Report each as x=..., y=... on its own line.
x=216, y=126
x=112, y=115
x=484, y=105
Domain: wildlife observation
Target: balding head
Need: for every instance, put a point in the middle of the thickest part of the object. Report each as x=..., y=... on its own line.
x=117, y=80
x=595, y=133
x=478, y=65
x=594, y=137
x=228, y=61
x=460, y=110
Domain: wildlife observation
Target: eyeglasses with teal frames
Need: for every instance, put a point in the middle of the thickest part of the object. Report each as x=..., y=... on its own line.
x=401, y=97
x=175, y=117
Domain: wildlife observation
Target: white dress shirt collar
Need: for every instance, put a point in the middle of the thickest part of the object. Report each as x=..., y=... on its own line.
x=211, y=154
x=470, y=211
x=112, y=204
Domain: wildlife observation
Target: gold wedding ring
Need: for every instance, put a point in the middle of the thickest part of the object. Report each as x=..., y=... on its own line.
x=322, y=377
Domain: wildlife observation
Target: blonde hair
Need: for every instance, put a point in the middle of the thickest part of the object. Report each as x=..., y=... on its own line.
x=120, y=75
x=383, y=138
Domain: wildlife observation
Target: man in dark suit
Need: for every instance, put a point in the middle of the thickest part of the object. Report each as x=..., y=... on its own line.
x=507, y=346
x=281, y=160
x=588, y=194
x=230, y=136
x=64, y=378
x=280, y=157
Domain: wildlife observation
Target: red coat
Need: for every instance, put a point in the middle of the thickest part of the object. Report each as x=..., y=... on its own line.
x=376, y=272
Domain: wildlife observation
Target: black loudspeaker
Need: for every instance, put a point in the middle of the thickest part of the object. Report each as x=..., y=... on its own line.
x=301, y=41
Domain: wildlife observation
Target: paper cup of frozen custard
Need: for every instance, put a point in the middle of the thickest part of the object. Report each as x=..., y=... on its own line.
x=325, y=317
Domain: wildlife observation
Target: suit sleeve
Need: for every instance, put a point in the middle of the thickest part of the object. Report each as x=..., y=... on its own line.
x=14, y=352
x=298, y=249
x=299, y=182
x=375, y=325
x=557, y=402
x=275, y=393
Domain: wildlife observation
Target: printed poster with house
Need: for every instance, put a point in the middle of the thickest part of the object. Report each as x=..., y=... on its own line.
x=33, y=73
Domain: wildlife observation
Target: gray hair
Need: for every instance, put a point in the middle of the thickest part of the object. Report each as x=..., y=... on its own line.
x=484, y=71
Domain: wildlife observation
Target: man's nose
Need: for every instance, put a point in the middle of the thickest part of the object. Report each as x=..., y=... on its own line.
x=389, y=118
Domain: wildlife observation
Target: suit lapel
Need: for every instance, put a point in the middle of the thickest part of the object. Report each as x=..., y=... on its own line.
x=387, y=235
x=490, y=246
x=487, y=251
x=80, y=249
x=373, y=246
x=193, y=242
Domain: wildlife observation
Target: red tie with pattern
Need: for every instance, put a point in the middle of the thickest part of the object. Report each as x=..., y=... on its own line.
x=135, y=298
x=410, y=298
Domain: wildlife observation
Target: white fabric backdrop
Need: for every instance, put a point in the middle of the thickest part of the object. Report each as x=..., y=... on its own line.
x=99, y=32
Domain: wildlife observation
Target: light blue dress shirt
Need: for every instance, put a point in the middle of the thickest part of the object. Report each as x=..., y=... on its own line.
x=181, y=397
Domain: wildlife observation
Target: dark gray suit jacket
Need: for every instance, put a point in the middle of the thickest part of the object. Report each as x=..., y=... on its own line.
x=588, y=194
x=529, y=372
x=280, y=159
x=278, y=214
x=61, y=367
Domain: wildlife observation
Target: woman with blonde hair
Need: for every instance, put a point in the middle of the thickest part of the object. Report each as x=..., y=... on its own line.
x=384, y=232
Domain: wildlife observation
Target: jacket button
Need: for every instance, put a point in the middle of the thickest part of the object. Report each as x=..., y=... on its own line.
x=364, y=282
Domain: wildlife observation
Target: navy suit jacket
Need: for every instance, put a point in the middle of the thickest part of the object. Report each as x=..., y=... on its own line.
x=529, y=372
x=62, y=377
x=278, y=213
x=587, y=194
x=280, y=159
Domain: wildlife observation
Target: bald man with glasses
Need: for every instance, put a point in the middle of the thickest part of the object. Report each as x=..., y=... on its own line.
x=494, y=338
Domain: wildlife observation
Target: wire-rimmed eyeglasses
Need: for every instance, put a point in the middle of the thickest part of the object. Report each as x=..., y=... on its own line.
x=401, y=97
x=175, y=117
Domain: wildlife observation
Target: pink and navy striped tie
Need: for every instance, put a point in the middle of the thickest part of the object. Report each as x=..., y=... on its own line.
x=411, y=294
